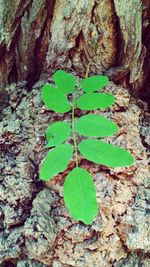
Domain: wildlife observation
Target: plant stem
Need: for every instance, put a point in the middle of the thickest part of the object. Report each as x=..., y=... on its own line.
x=73, y=126
x=87, y=71
x=75, y=92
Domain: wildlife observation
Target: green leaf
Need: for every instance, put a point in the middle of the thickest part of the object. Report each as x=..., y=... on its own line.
x=80, y=195
x=55, y=161
x=54, y=99
x=94, y=83
x=94, y=101
x=105, y=154
x=95, y=125
x=57, y=133
x=65, y=81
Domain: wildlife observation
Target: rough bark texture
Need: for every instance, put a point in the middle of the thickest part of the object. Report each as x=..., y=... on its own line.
x=36, y=229
x=39, y=36
x=36, y=38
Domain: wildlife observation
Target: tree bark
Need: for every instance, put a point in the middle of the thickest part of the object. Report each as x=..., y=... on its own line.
x=42, y=36
x=38, y=37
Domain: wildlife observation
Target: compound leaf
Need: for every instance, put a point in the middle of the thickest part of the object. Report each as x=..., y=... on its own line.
x=105, y=154
x=92, y=101
x=54, y=99
x=65, y=81
x=57, y=133
x=94, y=83
x=80, y=195
x=95, y=125
x=56, y=161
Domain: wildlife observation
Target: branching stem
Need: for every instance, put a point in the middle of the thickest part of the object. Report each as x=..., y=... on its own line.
x=73, y=125
x=75, y=92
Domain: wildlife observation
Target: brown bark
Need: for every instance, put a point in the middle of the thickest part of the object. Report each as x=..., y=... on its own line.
x=41, y=36
x=36, y=38
x=36, y=229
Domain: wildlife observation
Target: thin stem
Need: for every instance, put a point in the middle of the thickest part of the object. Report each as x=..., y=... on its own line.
x=73, y=126
x=75, y=92
x=87, y=71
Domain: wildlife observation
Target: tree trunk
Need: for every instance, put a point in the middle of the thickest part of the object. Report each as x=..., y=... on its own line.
x=37, y=37
x=41, y=36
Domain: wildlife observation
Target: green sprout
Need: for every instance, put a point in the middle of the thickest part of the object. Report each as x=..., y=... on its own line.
x=79, y=190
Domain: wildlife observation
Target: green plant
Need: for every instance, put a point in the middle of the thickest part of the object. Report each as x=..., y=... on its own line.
x=79, y=190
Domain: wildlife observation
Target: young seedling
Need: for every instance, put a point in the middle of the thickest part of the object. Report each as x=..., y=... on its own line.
x=79, y=190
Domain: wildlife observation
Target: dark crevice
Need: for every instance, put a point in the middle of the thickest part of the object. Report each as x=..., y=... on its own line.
x=145, y=92
x=74, y=50
x=120, y=72
x=50, y=9
x=119, y=39
x=8, y=264
x=76, y=46
x=145, y=131
x=92, y=14
x=2, y=50
x=38, y=63
x=13, y=76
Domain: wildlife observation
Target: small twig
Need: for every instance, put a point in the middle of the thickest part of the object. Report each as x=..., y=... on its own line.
x=87, y=70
